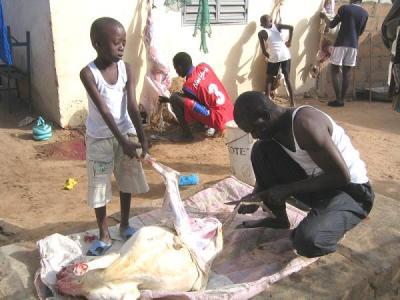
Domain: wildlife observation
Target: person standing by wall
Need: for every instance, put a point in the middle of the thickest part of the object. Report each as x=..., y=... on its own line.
x=278, y=55
x=352, y=18
x=391, y=39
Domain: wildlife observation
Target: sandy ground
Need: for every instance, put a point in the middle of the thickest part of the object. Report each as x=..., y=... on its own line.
x=33, y=203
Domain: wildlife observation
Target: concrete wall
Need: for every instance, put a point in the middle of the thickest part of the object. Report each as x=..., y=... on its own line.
x=373, y=57
x=71, y=20
x=34, y=15
x=234, y=53
x=233, y=49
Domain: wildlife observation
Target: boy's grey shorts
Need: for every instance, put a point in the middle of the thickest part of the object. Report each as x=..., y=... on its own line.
x=105, y=157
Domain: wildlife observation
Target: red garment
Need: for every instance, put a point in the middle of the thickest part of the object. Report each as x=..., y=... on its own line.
x=203, y=86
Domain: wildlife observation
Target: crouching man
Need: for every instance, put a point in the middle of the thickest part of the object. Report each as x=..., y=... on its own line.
x=302, y=152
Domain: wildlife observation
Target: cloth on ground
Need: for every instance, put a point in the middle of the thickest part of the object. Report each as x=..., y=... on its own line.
x=251, y=260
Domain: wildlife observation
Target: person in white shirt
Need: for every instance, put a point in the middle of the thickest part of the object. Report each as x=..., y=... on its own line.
x=302, y=152
x=278, y=54
x=114, y=132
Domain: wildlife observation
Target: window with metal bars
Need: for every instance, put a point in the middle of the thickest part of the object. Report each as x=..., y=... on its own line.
x=221, y=12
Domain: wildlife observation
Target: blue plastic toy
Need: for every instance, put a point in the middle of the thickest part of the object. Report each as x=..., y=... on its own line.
x=191, y=179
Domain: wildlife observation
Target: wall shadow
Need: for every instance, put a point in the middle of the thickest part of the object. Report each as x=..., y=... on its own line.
x=134, y=41
x=309, y=47
x=258, y=70
x=231, y=77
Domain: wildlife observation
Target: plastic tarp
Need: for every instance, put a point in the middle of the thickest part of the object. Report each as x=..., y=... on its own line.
x=251, y=259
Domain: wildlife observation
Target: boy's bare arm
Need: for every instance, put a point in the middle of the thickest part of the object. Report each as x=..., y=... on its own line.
x=288, y=27
x=90, y=86
x=134, y=111
x=262, y=37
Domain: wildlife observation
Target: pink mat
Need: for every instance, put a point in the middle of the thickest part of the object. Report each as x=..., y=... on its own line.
x=251, y=259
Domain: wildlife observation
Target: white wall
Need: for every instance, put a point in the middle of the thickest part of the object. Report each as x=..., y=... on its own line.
x=34, y=15
x=71, y=20
x=234, y=52
x=233, y=49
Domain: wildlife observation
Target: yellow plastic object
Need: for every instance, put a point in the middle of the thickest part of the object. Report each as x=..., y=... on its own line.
x=70, y=184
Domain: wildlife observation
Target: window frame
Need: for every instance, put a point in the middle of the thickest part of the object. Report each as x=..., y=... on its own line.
x=218, y=20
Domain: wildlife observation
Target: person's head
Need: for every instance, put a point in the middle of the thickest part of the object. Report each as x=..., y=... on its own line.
x=256, y=114
x=266, y=21
x=108, y=38
x=182, y=63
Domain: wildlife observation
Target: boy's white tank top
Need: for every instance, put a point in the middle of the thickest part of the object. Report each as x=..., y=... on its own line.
x=276, y=46
x=115, y=97
x=356, y=167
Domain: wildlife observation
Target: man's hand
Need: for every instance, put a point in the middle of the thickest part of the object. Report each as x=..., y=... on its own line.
x=288, y=44
x=130, y=147
x=163, y=99
x=276, y=195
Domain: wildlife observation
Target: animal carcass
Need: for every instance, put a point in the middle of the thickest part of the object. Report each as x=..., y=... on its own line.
x=176, y=258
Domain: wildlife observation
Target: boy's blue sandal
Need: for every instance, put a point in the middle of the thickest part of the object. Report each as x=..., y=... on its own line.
x=127, y=233
x=98, y=248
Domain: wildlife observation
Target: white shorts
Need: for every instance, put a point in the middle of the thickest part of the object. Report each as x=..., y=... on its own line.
x=344, y=56
x=105, y=157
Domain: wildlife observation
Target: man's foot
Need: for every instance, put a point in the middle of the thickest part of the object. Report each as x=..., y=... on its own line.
x=336, y=103
x=210, y=132
x=268, y=222
x=248, y=208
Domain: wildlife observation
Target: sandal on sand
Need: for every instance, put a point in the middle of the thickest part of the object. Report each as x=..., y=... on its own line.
x=127, y=233
x=98, y=248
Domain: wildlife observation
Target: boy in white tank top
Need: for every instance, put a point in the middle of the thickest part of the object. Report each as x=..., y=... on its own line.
x=114, y=132
x=278, y=54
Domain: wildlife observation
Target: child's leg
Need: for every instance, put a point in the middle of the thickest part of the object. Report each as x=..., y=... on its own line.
x=286, y=73
x=101, y=217
x=125, y=201
x=99, y=155
x=131, y=180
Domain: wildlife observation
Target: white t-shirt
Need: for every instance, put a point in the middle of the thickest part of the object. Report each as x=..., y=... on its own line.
x=114, y=96
x=356, y=167
x=276, y=46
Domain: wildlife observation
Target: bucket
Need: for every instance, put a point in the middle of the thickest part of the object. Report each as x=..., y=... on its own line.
x=239, y=146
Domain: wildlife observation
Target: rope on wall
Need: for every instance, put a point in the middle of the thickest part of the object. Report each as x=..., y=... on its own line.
x=203, y=24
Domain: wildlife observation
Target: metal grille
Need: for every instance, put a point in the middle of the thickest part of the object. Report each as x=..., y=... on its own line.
x=221, y=12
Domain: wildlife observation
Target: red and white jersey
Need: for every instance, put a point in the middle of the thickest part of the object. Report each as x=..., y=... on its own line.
x=204, y=86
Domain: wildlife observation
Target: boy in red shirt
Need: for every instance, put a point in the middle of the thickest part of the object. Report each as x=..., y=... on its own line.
x=204, y=98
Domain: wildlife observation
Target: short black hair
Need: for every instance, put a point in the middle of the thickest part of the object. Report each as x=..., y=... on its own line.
x=182, y=59
x=264, y=17
x=98, y=26
x=250, y=106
